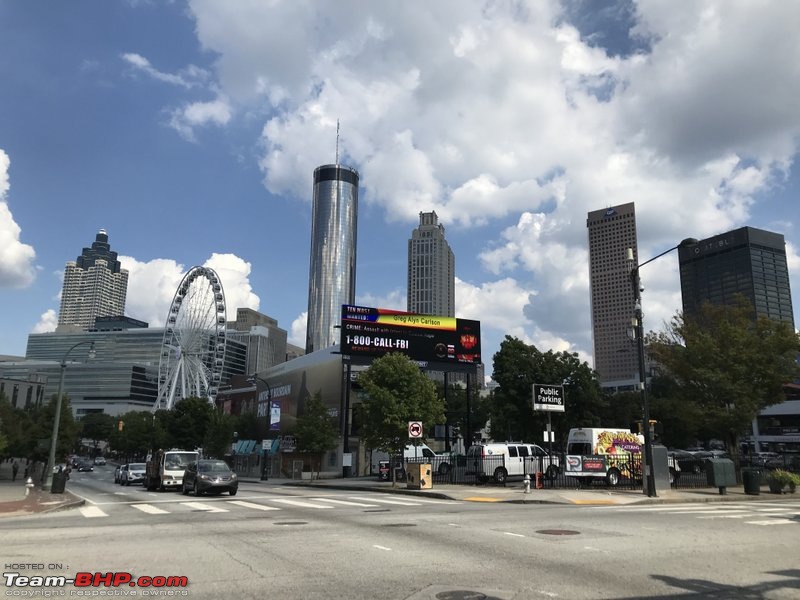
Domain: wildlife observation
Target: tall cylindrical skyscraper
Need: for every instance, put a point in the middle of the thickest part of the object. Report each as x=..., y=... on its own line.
x=332, y=274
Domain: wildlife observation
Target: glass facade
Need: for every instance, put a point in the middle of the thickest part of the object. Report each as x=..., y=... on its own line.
x=332, y=272
x=746, y=261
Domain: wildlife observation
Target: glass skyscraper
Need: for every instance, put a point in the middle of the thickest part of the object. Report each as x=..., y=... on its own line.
x=746, y=261
x=332, y=272
x=431, y=269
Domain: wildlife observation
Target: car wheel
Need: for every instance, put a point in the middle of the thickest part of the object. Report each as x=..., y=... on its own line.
x=696, y=470
x=196, y=490
x=184, y=489
x=233, y=491
x=552, y=472
x=500, y=475
x=612, y=478
x=124, y=483
x=444, y=469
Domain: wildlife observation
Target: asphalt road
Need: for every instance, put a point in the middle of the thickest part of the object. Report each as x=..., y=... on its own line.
x=286, y=543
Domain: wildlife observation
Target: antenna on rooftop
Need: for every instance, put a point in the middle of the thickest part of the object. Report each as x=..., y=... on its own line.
x=337, y=141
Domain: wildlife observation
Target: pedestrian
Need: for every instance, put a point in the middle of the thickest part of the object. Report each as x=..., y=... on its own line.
x=14, y=471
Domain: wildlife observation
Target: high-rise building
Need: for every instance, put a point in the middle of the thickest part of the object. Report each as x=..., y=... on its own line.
x=265, y=341
x=746, y=261
x=94, y=286
x=611, y=232
x=431, y=269
x=332, y=272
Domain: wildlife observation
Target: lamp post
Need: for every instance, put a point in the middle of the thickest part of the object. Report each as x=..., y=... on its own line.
x=650, y=481
x=254, y=379
x=51, y=459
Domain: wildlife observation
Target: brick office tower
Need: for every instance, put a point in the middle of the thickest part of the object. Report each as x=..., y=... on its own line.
x=611, y=232
x=431, y=270
x=94, y=286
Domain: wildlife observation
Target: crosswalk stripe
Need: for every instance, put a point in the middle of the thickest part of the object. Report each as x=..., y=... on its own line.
x=299, y=503
x=345, y=502
x=252, y=505
x=92, y=511
x=771, y=522
x=204, y=507
x=382, y=501
x=150, y=509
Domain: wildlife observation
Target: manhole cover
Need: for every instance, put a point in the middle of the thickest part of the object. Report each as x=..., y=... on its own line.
x=292, y=523
x=400, y=525
x=460, y=595
x=558, y=532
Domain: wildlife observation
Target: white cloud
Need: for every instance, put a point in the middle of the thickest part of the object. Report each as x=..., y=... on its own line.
x=17, y=268
x=152, y=285
x=197, y=114
x=189, y=77
x=47, y=322
x=297, y=332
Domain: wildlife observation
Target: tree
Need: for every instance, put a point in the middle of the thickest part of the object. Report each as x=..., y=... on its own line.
x=187, y=423
x=517, y=366
x=396, y=392
x=98, y=427
x=137, y=436
x=315, y=430
x=728, y=364
x=456, y=409
x=219, y=434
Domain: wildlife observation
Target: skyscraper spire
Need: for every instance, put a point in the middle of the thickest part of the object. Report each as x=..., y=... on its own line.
x=337, y=141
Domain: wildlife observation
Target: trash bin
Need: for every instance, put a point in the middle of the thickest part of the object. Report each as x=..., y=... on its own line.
x=59, y=482
x=751, y=478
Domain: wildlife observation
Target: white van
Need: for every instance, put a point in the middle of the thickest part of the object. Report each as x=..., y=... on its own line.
x=501, y=460
x=415, y=453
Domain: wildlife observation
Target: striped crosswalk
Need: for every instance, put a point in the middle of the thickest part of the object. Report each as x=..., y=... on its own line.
x=749, y=513
x=260, y=504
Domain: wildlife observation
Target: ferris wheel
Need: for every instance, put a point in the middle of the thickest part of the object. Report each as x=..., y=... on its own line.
x=193, y=346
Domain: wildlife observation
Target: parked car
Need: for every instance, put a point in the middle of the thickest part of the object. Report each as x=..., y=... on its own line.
x=501, y=460
x=118, y=473
x=133, y=473
x=100, y=461
x=207, y=475
x=688, y=462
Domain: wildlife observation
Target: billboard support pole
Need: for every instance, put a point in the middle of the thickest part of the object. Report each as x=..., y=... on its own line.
x=346, y=424
x=446, y=419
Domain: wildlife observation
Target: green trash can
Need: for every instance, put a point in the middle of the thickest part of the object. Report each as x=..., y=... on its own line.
x=751, y=478
x=59, y=482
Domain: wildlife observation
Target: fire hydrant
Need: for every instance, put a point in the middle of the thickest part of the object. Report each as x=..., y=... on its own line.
x=28, y=485
x=526, y=482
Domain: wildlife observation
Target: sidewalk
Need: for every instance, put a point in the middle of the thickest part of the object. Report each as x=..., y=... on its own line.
x=514, y=492
x=16, y=499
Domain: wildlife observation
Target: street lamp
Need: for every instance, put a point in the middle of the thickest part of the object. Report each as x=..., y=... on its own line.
x=254, y=379
x=650, y=487
x=51, y=459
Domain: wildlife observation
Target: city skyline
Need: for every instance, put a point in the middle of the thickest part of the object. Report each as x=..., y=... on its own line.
x=190, y=135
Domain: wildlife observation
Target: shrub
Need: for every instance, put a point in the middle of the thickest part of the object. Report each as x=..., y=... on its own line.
x=781, y=479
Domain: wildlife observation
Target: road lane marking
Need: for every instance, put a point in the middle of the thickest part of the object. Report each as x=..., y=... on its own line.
x=204, y=507
x=513, y=534
x=382, y=501
x=299, y=503
x=381, y=547
x=771, y=522
x=150, y=509
x=252, y=505
x=92, y=511
x=345, y=502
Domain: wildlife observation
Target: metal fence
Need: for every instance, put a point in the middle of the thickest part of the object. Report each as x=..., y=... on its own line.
x=471, y=470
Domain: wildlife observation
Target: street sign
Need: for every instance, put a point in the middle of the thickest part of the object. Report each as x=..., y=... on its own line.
x=548, y=397
x=415, y=429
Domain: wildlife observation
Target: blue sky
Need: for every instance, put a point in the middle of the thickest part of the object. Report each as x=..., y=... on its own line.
x=189, y=130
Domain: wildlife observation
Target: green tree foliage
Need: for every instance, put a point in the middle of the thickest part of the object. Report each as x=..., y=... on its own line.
x=187, y=423
x=456, y=408
x=16, y=429
x=396, y=392
x=727, y=365
x=517, y=366
x=41, y=430
x=137, y=435
x=98, y=427
x=219, y=433
x=316, y=431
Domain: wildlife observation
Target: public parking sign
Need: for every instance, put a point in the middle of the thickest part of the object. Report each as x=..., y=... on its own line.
x=548, y=397
x=415, y=429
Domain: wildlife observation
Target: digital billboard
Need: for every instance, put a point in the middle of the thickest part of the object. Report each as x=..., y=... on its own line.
x=378, y=331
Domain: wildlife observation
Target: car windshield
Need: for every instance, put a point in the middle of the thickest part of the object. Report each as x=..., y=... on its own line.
x=179, y=460
x=213, y=466
x=136, y=467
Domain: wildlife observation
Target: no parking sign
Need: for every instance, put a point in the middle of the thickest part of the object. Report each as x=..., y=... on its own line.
x=415, y=429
